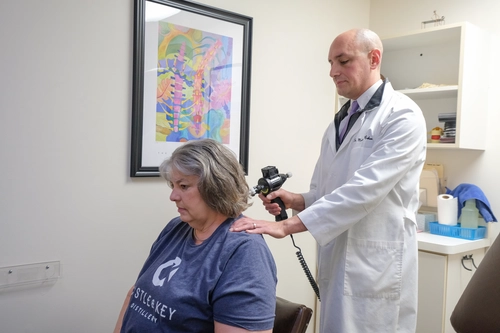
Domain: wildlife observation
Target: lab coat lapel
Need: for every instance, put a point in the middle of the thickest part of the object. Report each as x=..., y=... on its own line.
x=353, y=132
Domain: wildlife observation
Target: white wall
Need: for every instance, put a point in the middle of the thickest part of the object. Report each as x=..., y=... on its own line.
x=65, y=118
x=477, y=167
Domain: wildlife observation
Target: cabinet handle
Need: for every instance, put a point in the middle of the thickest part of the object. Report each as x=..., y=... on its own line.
x=469, y=257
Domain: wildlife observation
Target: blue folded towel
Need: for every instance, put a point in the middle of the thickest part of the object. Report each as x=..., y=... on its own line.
x=464, y=192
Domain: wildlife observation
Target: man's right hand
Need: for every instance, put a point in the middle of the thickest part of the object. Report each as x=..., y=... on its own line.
x=288, y=199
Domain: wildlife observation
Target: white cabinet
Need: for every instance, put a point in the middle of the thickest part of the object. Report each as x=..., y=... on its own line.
x=442, y=278
x=431, y=291
x=453, y=60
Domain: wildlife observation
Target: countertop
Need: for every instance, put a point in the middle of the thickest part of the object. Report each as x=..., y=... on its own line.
x=448, y=245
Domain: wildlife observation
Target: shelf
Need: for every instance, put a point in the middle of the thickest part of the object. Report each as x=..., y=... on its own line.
x=424, y=37
x=442, y=145
x=450, y=58
x=428, y=93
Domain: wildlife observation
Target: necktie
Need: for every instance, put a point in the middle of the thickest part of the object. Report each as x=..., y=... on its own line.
x=345, y=122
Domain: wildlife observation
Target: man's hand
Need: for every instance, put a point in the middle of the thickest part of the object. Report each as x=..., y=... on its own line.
x=280, y=229
x=272, y=207
x=290, y=200
x=274, y=229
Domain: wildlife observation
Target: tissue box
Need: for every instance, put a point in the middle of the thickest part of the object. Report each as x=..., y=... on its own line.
x=423, y=220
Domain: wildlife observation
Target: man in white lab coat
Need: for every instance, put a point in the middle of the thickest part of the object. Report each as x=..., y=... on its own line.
x=363, y=198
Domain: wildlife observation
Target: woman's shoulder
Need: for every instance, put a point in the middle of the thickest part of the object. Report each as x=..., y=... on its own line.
x=242, y=247
x=173, y=226
x=244, y=239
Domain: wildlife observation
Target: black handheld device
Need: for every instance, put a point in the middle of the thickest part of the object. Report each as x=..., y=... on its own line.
x=272, y=181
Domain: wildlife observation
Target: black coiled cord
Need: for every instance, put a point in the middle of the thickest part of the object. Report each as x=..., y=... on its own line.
x=283, y=216
x=303, y=263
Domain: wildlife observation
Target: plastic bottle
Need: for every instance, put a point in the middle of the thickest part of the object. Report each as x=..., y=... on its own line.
x=470, y=214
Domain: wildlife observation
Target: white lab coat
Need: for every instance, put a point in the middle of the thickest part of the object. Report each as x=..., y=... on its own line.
x=361, y=209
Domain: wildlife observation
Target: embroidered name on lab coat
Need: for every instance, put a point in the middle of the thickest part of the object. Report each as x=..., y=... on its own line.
x=366, y=137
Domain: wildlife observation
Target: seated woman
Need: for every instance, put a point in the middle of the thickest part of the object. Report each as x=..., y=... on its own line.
x=199, y=276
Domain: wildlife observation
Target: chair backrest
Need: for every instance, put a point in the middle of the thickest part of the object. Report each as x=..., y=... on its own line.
x=478, y=308
x=291, y=317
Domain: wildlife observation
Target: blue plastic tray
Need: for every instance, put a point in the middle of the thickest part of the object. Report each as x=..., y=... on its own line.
x=457, y=231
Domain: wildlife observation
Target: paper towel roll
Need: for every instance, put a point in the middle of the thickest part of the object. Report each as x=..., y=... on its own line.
x=447, y=208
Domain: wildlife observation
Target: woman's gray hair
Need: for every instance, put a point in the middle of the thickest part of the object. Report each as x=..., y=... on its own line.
x=221, y=183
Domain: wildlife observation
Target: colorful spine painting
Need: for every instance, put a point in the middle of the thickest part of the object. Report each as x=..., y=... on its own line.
x=193, y=84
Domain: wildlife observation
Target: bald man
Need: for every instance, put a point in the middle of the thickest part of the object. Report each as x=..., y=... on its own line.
x=363, y=198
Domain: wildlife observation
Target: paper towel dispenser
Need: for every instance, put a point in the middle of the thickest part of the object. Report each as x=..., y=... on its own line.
x=422, y=197
x=429, y=181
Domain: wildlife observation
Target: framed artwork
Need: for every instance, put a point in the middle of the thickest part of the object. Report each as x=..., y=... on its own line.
x=191, y=80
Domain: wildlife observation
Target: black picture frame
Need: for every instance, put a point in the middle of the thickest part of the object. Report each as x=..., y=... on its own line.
x=235, y=30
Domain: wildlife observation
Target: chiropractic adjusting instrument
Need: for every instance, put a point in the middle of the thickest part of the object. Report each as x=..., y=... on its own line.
x=272, y=181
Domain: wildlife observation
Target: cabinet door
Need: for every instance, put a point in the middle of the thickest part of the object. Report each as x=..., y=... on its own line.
x=459, y=274
x=431, y=292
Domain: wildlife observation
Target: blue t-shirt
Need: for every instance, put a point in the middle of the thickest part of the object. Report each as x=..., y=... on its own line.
x=183, y=287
